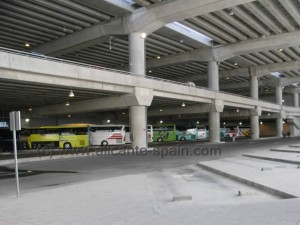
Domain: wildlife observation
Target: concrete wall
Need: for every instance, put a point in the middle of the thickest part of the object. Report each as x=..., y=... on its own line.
x=268, y=129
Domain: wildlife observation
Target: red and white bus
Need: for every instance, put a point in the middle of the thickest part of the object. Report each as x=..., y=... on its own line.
x=107, y=134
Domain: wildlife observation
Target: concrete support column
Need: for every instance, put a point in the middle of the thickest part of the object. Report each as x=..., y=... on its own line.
x=254, y=87
x=255, y=113
x=213, y=117
x=279, y=95
x=213, y=75
x=214, y=127
x=137, y=54
x=279, y=127
x=254, y=123
x=137, y=114
x=296, y=99
x=138, y=126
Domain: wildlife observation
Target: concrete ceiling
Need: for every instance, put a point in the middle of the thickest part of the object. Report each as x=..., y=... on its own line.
x=41, y=22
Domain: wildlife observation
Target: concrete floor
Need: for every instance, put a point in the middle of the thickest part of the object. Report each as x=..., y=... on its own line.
x=139, y=190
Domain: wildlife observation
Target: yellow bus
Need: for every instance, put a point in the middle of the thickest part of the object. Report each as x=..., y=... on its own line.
x=65, y=136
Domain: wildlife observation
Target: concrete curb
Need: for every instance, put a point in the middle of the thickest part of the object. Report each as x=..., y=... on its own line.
x=264, y=188
x=284, y=150
x=294, y=146
x=37, y=159
x=57, y=157
x=272, y=159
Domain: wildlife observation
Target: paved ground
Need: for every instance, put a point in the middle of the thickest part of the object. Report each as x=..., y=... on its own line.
x=140, y=190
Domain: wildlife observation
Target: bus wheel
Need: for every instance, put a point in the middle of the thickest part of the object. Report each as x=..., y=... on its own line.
x=182, y=139
x=159, y=139
x=67, y=145
x=104, y=143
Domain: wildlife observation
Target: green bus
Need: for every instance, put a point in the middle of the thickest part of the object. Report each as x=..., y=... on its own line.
x=164, y=132
x=65, y=136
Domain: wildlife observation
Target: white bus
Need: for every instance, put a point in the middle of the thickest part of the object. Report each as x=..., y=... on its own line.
x=107, y=134
x=149, y=134
x=199, y=131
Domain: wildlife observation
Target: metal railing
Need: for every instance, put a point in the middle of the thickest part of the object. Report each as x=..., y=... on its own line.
x=59, y=60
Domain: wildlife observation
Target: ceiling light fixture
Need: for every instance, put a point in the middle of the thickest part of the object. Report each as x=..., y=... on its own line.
x=281, y=49
x=183, y=104
x=231, y=13
x=29, y=109
x=27, y=45
x=143, y=35
x=236, y=64
x=158, y=57
x=71, y=94
x=161, y=110
x=161, y=121
x=67, y=103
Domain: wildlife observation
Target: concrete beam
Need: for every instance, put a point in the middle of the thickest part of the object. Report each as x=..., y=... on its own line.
x=141, y=20
x=199, y=55
x=81, y=39
x=288, y=81
x=192, y=109
x=284, y=40
x=240, y=72
x=258, y=70
x=244, y=47
x=156, y=17
x=292, y=90
x=277, y=67
x=99, y=104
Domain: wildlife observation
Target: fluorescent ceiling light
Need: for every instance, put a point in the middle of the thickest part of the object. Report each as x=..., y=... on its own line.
x=197, y=36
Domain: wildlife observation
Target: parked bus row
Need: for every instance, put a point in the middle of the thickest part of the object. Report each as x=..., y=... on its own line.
x=78, y=135
x=169, y=132
x=83, y=135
